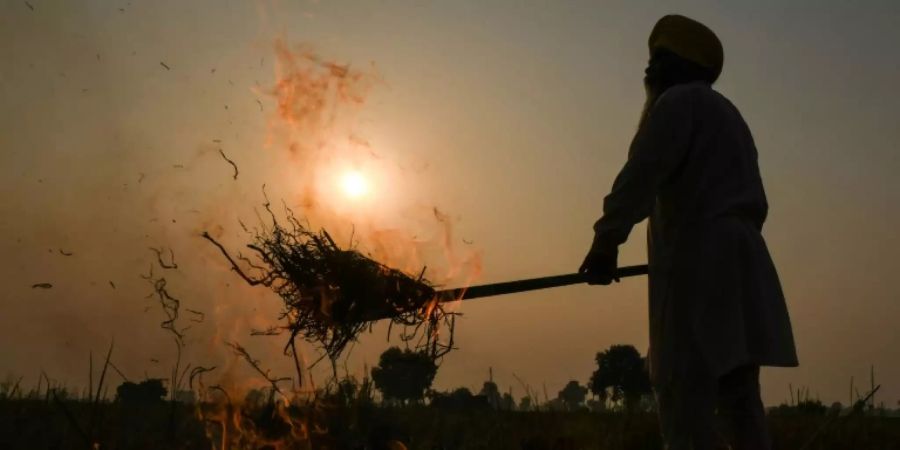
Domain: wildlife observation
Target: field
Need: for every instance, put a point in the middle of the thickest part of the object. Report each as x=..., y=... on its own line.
x=52, y=423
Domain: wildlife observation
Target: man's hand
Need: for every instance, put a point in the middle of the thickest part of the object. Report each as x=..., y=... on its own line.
x=600, y=265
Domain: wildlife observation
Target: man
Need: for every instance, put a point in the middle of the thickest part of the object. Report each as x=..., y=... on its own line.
x=717, y=312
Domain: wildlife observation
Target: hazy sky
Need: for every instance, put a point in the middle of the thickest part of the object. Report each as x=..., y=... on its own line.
x=512, y=117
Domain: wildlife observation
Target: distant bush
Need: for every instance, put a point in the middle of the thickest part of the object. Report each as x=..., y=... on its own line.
x=460, y=399
x=804, y=408
x=146, y=392
x=573, y=395
x=403, y=375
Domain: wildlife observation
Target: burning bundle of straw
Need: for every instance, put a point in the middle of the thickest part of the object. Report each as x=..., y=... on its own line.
x=331, y=294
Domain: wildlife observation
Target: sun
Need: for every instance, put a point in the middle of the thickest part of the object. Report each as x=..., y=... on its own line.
x=354, y=185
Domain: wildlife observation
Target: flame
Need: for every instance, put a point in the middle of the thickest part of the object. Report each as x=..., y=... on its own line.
x=231, y=425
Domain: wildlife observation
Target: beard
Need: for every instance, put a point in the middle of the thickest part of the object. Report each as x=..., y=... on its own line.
x=652, y=90
x=661, y=78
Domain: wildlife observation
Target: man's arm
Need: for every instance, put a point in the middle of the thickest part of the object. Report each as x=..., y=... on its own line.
x=655, y=152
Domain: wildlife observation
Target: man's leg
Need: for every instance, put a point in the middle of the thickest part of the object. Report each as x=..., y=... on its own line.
x=687, y=411
x=741, y=409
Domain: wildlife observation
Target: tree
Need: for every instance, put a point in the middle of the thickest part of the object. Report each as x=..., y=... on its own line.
x=403, y=375
x=573, y=395
x=147, y=392
x=620, y=376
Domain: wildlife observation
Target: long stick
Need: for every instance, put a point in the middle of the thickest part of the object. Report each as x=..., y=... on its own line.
x=531, y=284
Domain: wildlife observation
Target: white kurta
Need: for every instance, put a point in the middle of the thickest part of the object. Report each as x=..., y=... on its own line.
x=692, y=169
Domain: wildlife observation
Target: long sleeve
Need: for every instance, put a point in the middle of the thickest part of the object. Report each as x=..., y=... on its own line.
x=655, y=153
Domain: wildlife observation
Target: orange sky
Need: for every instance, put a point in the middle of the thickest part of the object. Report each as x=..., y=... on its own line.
x=512, y=118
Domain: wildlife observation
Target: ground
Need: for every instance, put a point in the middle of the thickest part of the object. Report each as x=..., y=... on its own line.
x=68, y=424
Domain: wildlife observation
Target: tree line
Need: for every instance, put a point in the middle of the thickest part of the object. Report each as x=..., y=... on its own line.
x=620, y=381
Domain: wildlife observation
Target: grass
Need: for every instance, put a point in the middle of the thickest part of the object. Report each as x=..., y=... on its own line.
x=36, y=422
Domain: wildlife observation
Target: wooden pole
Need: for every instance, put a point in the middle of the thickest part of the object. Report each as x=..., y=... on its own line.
x=531, y=284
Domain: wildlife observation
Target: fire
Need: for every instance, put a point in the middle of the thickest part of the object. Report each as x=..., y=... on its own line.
x=328, y=168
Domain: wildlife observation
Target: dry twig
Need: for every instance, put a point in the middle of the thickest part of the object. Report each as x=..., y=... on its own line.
x=171, y=264
x=270, y=331
x=197, y=372
x=199, y=315
x=331, y=295
x=222, y=152
x=242, y=352
x=122, y=375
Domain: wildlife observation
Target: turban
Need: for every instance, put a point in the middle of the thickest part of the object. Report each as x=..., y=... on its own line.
x=688, y=39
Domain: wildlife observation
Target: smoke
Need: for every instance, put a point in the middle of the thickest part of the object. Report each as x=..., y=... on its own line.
x=109, y=153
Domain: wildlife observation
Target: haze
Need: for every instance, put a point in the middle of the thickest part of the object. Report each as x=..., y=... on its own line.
x=511, y=117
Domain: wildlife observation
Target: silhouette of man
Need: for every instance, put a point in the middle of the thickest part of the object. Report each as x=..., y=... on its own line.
x=717, y=311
